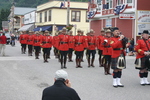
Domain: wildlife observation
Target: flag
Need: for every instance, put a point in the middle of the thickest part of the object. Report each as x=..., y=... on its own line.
x=62, y=4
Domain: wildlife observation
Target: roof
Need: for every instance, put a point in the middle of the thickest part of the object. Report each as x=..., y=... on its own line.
x=57, y=4
x=22, y=10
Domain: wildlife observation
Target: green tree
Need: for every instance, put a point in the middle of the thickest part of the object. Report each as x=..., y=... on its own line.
x=4, y=13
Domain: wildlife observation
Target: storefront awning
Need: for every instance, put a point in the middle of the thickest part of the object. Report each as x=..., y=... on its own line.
x=29, y=27
x=43, y=28
x=60, y=27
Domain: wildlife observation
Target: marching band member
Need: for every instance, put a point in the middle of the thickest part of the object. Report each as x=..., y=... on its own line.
x=143, y=54
x=91, y=49
x=23, y=41
x=63, y=47
x=37, y=43
x=118, y=49
x=30, y=43
x=79, y=48
x=46, y=44
x=107, y=51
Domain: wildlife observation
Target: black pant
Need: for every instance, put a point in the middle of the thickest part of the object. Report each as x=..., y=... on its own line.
x=70, y=51
x=30, y=47
x=63, y=54
x=78, y=54
x=107, y=59
x=89, y=52
x=23, y=46
x=63, y=57
x=37, y=49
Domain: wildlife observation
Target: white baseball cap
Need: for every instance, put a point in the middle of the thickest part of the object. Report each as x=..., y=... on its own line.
x=61, y=74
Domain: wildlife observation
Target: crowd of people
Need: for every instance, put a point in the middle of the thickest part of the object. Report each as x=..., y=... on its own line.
x=111, y=46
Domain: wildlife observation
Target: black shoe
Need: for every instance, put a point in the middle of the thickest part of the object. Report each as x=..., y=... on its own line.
x=147, y=83
x=46, y=61
x=65, y=67
x=115, y=86
x=120, y=85
x=80, y=66
x=70, y=61
x=37, y=58
x=109, y=73
x=143, y=84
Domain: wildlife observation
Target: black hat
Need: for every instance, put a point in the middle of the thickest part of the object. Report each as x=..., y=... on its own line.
x=115, y=28
x=145, y=32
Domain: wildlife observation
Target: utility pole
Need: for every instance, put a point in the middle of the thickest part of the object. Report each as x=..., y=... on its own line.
x=13, y=8
x=68, y=11
x=11, y=18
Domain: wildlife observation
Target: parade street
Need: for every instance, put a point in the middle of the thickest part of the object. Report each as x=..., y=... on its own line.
x=24, y=78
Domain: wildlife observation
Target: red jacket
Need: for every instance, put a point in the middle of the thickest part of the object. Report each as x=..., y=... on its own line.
x=23, y=38
x=37, y=40
x=63, y=42
x=46, y=42
x=30, y=39
x=71, y=41
x=80, y=43
x=107, y=49
x=3, y=39
x=116, y=44
x=141, y=47
x=99, y=42
x=92, y=42
x=56, y=41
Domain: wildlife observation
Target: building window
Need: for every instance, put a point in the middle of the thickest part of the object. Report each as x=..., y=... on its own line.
x=108, y=4
x=120, y=2
x=129, y=1
x=40, y=17
x=108, y=22
x=49, y=16
x=45, y=16
x=17, y=20
x=87, y=20
x=99, y=2
x=75, y=16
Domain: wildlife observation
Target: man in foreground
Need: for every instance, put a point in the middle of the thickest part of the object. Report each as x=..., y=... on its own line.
x=61, y=89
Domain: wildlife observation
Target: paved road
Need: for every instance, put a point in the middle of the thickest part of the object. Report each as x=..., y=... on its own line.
x=24, y=78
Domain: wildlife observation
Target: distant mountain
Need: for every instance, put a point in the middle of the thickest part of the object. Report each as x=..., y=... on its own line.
x=21, y=3
x=26, y=3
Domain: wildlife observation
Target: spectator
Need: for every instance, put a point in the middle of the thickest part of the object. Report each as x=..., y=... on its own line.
x=61, y=90
x=12, y=40
x=131, y=47
x=3, y=44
